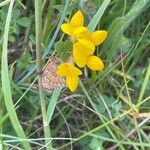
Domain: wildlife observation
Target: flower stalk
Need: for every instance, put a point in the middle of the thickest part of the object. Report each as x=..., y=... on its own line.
x=38, y=24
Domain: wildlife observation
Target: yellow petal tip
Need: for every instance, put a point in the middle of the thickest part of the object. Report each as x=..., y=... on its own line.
x=77, y=19
x=95, y=63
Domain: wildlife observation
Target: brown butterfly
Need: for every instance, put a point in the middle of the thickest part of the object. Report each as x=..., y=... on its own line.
x=50, y=79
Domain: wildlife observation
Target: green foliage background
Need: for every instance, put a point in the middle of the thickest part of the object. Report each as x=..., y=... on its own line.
x=109, y=110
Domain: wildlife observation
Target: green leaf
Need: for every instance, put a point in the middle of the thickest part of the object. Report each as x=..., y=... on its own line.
x=16, y=14
x=124, y=44
x=24, y=21
x=108, y=100
x=15, y=28
x=6, y=84
x=63, y=49
x=96, y=144
x=68, y=45
x=59, y=47
x=117, y=28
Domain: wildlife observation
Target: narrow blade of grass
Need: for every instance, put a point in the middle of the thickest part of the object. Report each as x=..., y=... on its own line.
x=6, y=83
x=146, y=80
x=4, y=3
x=95, y=20
x=52, y=103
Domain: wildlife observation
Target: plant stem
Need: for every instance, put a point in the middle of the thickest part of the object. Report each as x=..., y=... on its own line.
x=6, y=83
x=38, y=24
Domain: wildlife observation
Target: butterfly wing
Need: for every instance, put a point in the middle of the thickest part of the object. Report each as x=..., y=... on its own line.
x=50, y=80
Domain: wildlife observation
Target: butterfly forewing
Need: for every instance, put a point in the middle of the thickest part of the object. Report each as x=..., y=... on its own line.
x=50, y=79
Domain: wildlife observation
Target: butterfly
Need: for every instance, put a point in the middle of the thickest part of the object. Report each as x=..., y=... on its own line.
x=50, y=79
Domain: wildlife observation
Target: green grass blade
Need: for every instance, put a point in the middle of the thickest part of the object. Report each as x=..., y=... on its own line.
x=4, y=3
x=146, y=80
x=6, y=83
x=47, y=25
x=95, y=20
x=52, y=103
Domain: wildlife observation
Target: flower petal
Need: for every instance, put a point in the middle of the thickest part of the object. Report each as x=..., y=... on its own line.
x=67, y=28
x=95, y=63
x=67, y=69
x=79, y=30
x=72, y=82
x=85, y=50
x=99, y=36
x=85, y=35
x=62, y=70
x=85, y=42
x=79, y=55
x=77, y=19
x=72, y=70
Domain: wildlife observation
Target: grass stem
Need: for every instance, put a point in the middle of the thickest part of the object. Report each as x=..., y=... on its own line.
x=38, y=24
x=147, y=76
x=6, y=84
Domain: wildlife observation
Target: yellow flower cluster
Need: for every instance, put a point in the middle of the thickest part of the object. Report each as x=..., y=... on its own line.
x=84, y=43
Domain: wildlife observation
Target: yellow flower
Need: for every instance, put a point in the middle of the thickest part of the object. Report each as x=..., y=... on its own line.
x=94, y=38
x=84, y=43
x=84, y=56
x=83, y=50
x=75, y=26
x=71, y=74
